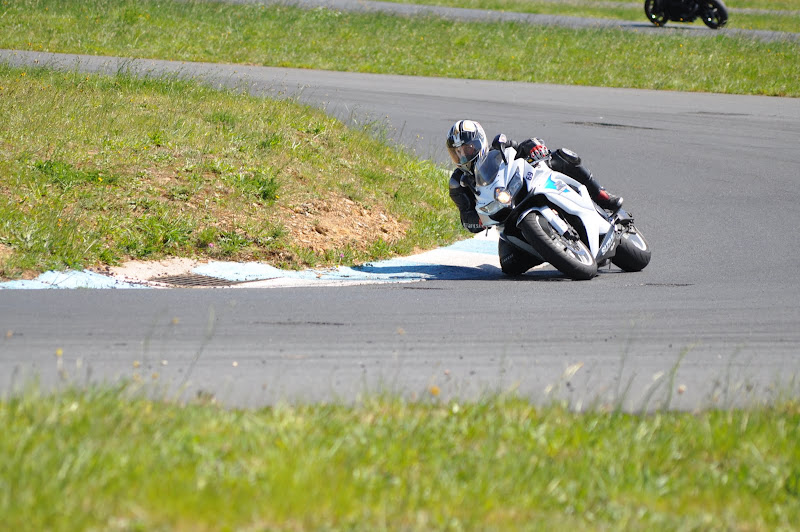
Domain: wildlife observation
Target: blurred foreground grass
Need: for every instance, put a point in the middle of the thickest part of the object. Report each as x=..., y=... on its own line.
x=113, y=459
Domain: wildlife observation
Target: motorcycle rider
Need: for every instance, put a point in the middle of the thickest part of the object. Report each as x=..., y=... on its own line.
x=466, y=142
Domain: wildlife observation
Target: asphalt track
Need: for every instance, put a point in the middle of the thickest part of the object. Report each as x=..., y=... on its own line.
x=712, y=180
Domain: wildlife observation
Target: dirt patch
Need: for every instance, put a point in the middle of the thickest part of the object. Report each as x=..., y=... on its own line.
x=338, y=222
x=319, y=225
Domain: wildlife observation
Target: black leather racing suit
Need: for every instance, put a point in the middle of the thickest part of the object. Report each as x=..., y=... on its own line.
x=564, y=161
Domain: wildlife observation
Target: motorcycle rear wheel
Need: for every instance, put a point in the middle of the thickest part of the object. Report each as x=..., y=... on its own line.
x=633, y=252
x=714, y=14
x=654, y=13
x=569, y=255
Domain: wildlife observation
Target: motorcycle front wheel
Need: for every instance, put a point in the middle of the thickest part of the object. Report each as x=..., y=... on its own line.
x=714, y=14
x=567, y=253
x=633, y=252
x=654, y=12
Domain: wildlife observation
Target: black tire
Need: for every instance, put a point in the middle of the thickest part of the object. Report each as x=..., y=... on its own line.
x=567, y=253
x=654, y=13
x=714, y=14
x=633, y=252
x=514, y=261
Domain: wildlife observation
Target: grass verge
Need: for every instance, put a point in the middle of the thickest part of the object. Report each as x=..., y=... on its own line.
x=114, y=459
x=424, y=46
x=99, y=169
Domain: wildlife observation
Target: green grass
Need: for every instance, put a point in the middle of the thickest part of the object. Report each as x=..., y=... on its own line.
x=114, y=459
x=324, y=39
x=99, y=169
x=787, y=17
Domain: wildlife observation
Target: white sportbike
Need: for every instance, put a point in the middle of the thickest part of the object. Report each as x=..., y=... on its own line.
x=545, y=216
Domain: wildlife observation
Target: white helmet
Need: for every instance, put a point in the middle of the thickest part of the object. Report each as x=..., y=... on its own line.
x=466, y=141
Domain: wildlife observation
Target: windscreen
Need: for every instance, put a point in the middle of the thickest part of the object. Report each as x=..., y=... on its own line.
x=486, y=168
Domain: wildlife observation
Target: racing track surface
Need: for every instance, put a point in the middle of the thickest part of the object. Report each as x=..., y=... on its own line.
x=712, y=180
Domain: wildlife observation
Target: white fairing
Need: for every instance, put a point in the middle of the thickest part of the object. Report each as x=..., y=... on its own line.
x=504, y=175
x=561, y=190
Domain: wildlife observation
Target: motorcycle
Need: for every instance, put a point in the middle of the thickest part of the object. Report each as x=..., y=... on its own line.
x=713, y=12
x=545, y=216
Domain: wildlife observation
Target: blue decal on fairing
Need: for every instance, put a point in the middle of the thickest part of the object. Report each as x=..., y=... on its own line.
x=556, y=185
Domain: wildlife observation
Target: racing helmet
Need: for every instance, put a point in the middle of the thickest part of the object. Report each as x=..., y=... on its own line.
x=466, y=141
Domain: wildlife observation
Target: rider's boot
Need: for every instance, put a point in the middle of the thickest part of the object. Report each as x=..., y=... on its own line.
x=607, y=201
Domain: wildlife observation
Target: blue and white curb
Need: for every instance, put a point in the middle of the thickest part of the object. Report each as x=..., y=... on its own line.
x=475, y=258
x=70, y=279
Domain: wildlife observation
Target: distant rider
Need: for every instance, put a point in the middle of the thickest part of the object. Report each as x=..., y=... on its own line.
x=466, y=142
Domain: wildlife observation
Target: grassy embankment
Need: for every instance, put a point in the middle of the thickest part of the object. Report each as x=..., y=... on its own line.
x=97, y=170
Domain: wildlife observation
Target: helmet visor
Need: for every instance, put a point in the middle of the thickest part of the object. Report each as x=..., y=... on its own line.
x=464, y=153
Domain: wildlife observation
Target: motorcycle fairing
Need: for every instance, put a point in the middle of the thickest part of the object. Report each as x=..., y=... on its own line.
x=559, y=189
x=505, y=169
x=573, y=197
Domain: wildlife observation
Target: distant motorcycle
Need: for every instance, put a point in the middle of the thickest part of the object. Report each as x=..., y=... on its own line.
x=713, y=12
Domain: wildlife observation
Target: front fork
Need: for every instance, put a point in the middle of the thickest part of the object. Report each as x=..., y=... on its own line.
x=609, y=245
x=619, y=224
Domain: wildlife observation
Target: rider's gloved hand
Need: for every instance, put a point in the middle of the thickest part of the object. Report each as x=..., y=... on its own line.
x=534, y=150
x=468, y=181
x=501, y=142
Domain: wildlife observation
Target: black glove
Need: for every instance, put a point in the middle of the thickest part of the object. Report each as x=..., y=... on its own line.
x=501, y=142
x=465, y=202
x=533, y=150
